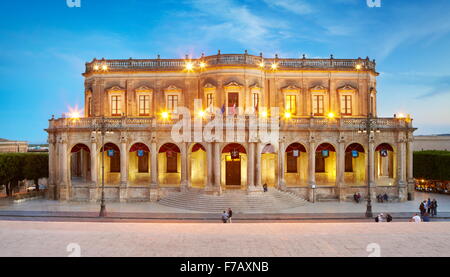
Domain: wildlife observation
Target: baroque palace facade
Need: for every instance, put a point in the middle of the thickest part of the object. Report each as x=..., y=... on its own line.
x=315, y=111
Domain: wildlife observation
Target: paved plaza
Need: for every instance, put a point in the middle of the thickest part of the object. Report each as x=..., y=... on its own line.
x=36, y=239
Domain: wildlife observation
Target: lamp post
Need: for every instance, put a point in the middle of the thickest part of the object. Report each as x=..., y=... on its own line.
x=103, y=129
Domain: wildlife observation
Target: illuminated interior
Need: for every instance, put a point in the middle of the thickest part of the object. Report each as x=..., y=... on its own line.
x=296, y=161
x=139, y=165
x=355, y=165
x=326, y=165
x=234, y=166
x=385, y=163
x=269, y=168
x=169, y=165
x=112, y=164
x=197, y=166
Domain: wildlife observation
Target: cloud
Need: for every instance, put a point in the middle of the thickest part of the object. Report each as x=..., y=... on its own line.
x=294, y=6
x=440, y=86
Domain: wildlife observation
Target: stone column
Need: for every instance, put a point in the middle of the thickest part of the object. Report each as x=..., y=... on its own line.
x=340, y=182
x=281, y=171
x=51, y=168
x=258, y=165
x=410, y=172
x=217, y=169
x=251, y=167
x=209, y=166
x=184, y=161
x=94, y=171
x=123, y=169
x=402, y=190
x=154, y=186
x=64, y=192
x=371, y=173
x=312, y=170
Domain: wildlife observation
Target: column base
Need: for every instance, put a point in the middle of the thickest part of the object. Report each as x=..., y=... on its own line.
x=123, y=192
x=213, y=190
x=154, y=193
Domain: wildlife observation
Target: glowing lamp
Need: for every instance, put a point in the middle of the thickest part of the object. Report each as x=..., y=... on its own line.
x=261, y=64
x=202, y=65
x=201, y=113
x=358, y=66
x=104, y=67
x=287, y=115
x=264, y=114
x=274, y=66
x=400, y=115
x=96, y=67
x=189, y=66
x=165, y=115
x=331, y=115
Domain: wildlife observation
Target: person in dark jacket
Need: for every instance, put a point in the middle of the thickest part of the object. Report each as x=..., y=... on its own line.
x=422, y=208
x=434, y=206
x=224, y=217
x=230, y=214
x=429, y=206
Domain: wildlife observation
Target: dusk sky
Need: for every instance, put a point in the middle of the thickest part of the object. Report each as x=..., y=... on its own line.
x=44, y=46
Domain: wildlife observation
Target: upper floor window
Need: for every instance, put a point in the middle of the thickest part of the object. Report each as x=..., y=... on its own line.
x=372, y=105
x=346, y=105
x=255, y=101
x=89, y=106
x=209, y=100
x=318, y=105
x=144, y=105
x=172, y=103
x=291, y=104
x=116, y=105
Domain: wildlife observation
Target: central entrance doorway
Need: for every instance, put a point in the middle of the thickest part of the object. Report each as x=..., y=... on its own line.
x=234, y=158
x=233, y=171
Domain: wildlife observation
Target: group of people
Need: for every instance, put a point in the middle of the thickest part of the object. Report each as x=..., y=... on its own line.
x=227, y=215
x=383, y=218
x=382, y=198
x=428, y=207
x=357, y=197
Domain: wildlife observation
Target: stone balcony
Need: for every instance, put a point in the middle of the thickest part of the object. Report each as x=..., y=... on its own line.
x=250, y=61
x=244, y=121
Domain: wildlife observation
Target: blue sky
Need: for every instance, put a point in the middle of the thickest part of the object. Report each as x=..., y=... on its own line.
x=44, y=45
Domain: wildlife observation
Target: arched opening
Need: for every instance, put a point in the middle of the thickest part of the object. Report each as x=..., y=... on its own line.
x=296, y=161
x=197, y=166
x=234, y=166
x=385, y=164
x=139, y=164
x=80, y=163
x=269, y=165
x=169, y=165
x=355, y=165
x=111, y=156
x=326, y=165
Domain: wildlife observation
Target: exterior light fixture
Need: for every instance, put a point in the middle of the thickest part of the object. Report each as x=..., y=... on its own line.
x=358, y=66
x=104, y=67
x=274, y=66
x=202, y=65
x=331, y=115
x=189, y=66
x=201, y=114
x=400, y=115
x=264, y=113
x=96, y=67
x=287, y=115
x=165, y=115
x=262, y=64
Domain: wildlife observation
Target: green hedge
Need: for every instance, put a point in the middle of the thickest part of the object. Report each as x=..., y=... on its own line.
x=432, y=165
x=15, y=167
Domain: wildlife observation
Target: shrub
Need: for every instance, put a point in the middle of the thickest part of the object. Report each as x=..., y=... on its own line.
x=432, y=165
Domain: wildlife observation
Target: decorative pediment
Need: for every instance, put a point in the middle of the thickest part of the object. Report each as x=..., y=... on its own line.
x=209, y=87
x=347, y=88
x=88, y=92
x=233, y=84
x=291, y=88
x=319, y=88
x=255, y=88
x=144, y=89
x=172, y=88
x=116, y=89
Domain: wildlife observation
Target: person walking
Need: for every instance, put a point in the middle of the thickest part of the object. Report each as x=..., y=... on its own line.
x=434, y=209
x=224, y=217
x=230, y=214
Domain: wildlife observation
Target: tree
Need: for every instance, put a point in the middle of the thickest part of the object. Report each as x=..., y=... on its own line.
x=36, y=167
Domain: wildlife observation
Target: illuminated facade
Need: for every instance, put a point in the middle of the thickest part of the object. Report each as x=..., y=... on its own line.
x=319, y=107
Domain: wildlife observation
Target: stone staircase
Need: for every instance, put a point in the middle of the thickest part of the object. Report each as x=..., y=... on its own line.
x=239, y=201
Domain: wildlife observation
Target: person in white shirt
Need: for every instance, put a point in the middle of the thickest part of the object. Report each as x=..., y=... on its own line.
x=416, y=218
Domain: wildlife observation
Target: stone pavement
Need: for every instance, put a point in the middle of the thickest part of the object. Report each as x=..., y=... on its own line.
x=37, y=239
x=320, y=210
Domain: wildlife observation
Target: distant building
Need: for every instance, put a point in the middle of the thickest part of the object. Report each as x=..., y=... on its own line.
x=433, y=142
x=11, y=146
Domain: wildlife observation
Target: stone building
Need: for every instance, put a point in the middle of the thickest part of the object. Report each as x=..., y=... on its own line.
x=12, y=146
x=315, y=111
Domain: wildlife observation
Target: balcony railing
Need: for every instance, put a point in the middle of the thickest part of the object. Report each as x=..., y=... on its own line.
x=227, y=60
x=241, y=122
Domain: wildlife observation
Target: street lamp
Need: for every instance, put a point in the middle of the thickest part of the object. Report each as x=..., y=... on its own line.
x=103, y=129
x=369, y=127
